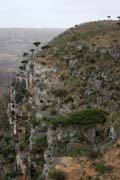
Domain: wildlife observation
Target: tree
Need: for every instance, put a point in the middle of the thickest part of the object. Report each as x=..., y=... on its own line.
x=36, y=44
x=118, y=18
x=32, y=51
x=25, y=56
x=109, y=17
x=45, y=47
x=118, y=24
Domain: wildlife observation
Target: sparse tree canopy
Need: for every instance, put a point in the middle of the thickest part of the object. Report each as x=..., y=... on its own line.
x=109, y=17
x=24, y=62
x=32, y=50
x=118, y=17
x=37, y=44
x=45, y=47
x=25, y=54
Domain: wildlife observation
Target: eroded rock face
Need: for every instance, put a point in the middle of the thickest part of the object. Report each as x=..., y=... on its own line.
x=112, y=134
x=54, y=88
x=22, y=161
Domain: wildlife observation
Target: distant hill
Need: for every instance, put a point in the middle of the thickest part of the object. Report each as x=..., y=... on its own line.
x=15, y=41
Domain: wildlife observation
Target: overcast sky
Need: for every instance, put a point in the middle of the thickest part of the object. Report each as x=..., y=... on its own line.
x=55, y=13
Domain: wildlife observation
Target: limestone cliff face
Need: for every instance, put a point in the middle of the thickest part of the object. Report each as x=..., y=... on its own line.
x=46, y=93
x=38, y=144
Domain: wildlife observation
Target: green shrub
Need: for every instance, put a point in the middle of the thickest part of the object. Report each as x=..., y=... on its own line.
x=88, y=178
x=102, y=168
x=69, y=99
x=11, y=175
x=27, y=136
x=35, y=122
x=41, y=141
x=12, y=159
x=7, y=152
x=25, y=93
x=60, y=92
x=39, y=146
x=94, y=154
x=56, y=175
x=23, y=146
x=84, y=117
x=75, y=152
x=21, y=94
x=18, y=97
x=43, y=63
x=53, y=112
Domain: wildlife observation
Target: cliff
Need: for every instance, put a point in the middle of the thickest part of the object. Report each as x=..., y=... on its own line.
x=64, y=108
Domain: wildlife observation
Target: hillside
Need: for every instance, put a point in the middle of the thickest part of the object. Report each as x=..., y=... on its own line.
x=64, y=109
x=98, y=33
x=88, y=69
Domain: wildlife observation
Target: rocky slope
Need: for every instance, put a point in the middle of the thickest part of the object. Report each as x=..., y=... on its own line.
x=64, y=109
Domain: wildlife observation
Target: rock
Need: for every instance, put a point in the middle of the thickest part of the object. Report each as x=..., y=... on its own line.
x=97, y=84
x=112, y=134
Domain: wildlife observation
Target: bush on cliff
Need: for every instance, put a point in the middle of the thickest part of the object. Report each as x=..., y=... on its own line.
x=83, y=117
x=56, y=175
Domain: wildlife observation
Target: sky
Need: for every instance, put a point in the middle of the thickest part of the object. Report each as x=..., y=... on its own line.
x=55, y=13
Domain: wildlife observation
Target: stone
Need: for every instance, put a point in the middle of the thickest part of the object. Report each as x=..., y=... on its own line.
x=112, y=133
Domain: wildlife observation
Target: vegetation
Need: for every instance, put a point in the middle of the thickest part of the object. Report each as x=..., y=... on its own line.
x=3, y=113
x=69, y=99
x=94, y=154
x=75, y=152
x=25, y=56
x=84, y=73
x=11, y=175
x=18, y=97
x=7, y=151
x=56, y=175
x=36, y=44
x=102, y=168
x=61, y=92
x=21, y=94
x=84, y=117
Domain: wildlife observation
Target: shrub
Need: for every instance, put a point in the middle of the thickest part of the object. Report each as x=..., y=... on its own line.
x=7, y=152
x=41, y=141
x=102, y=168
x=53, y=112
x=39, y=145
x=43, y=63
x=84, y=117
x=88, y=178
x=11, y=159
x=25, y=93
x=60, y=92
x=56, y=175
x=94, y=154
x=21, y=94
x=75, y=152
x=11, y=175
x=19, y=97
x=27, y=136
x=69, y=99
x=23, y=146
